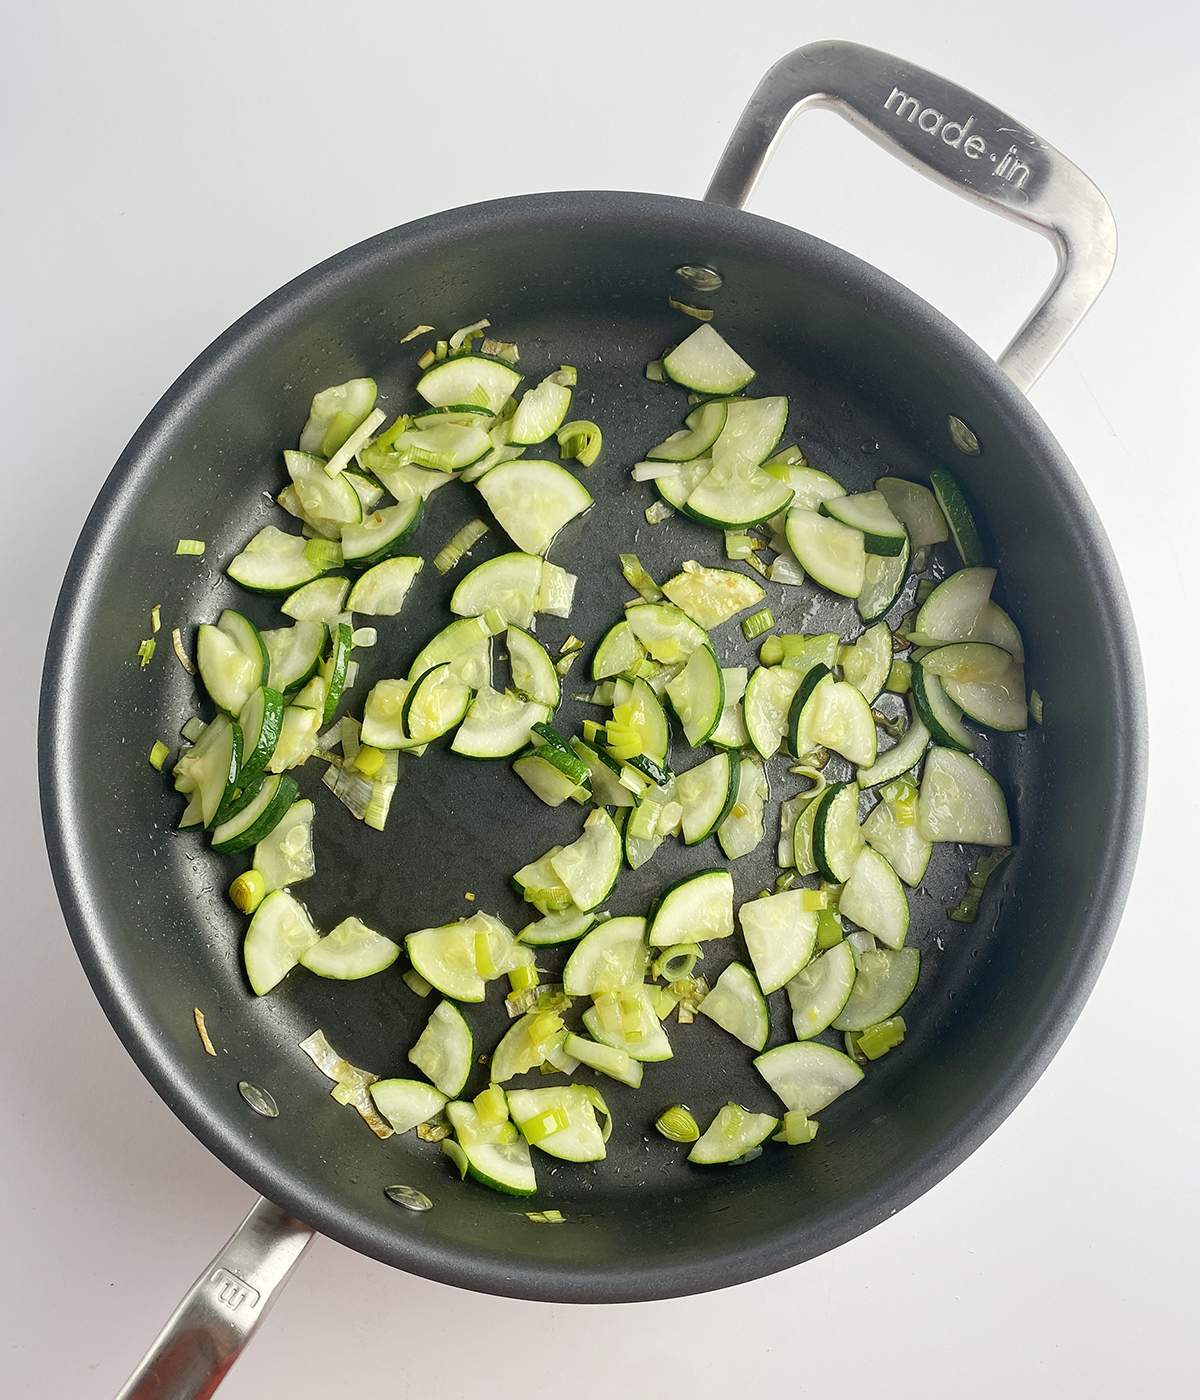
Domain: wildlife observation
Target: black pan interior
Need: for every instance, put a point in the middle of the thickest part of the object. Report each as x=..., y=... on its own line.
x=580, y=279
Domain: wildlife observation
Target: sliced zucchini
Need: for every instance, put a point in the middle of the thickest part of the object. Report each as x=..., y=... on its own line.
x=504, y=1166
x=280, y=933
x=518, y=1051
x=665, y=631
x=509, y=583
x=884, y=982
x=866, y=664
x=831, y=714
x=915, y=507
x=285, y=856
x=350, y=951
x=406, y=1102
x=694, y=910
x=326, y=501
x=607, y=788
x=533, y=500
x=1000, y=704
x=742, y=830
x=658, y=807
x=638, y=709
x=802, y=836
x=409, y=482
x=589, y=866
x=730, y=732
x=810, y=486
x=967, y=662
x=460, y=958
x=707, y=794
x=737, y=1005
x=273, y=562
x=961, y=801
x=874, y=899
x=705, y=363
x=295, y=654
x=619, y=651
x=780, y=936
x=939, y=714
x=455, y=381
x=497, y=725
x=953, y=609
x=369, y=492
x=435, y=704
x=569, y=1111
x=563, y=927
x=730, y=498
x=538, y=885
x=439, y=444
x=335, y=413
x=820, y=990
x=626, y=1021
x=382, y=534
x=554, y=776
x=210, y=768
x=899, y=758
x=380, y=592
x=675, y=487
x=704, y=425
x=892, y=830
x=533, y=672
x=808, y=1077
x=230, y=676
x=607, y=1059
x=832, y=553
x=769, y=695
x=445, y=1049
x=868, y=512
x=753, y=428
x=318, y=601
x=466, y=644
x=712, y=596
x=258, y=818
x=995, y=626
x=334, y=672
x=883, y=582
x=821, y=650
x=733, y=1135
x=697, y=694
x=612, y=956
x=540, y=413
x=958, y=517
x=383, y=717
x=837, y=836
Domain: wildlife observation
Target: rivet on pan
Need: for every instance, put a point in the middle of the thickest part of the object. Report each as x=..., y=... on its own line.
x=408, y=1197
x=962, y=436
x=258, y=1099
x=700, y=279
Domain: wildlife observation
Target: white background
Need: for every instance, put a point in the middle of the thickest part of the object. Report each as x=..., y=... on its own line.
x=165, y=167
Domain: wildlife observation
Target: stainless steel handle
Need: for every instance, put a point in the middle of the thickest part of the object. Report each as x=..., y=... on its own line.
x=222, y=1310
x=956, y=138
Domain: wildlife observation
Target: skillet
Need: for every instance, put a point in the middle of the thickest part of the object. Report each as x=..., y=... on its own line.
x=874, y=376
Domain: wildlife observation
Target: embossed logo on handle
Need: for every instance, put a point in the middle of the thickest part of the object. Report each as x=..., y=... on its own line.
x=232, y=1291
x=1010, y=165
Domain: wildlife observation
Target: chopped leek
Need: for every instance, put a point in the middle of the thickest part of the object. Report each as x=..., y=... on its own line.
x=798, y=1128
x=676, y=963
x=581, y=440
x=459, y=544
x=829, y=928
x=146, y=651
x=655, y=372
x=190, y=547
x=701, y=313
x=638, y=579
x=416, y=331
x=522, y=978
x=878, y=1039
x=677, y=1124
x=413, y=979
x=756, y=624
x=202, y=1031
x=1035, y=706
x=546, y=1217
x=156, y=617
x=323, y=554
x=248, y=891
x=657, y=513
x=159, y=754
x=966, y=910
x=184, y=659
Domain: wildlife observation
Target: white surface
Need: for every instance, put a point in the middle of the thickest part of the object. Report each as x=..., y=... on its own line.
x=166, y=167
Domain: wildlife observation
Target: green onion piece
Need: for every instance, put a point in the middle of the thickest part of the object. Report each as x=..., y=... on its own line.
x=657, y=513
x=878, y=1039
x=492, y=1106
x=248, y=891
x=146, y=651
x=676, y=962
x=1035, y=706
x=544, y=1125
x=925, y=587
x=798, y=1129
x=477, y=398
x=416, y=983
x=441, y=349
x=638, y=579
x=581, y=440
x=771, y=651
x=967, y=908
x=701, y=313
x=829, y=928
x=159, y=754
x=190, y=547
x=520, y=979
x=416, y=331
x=458, y=545
x=323, y=554
x=899, y=679
x=677, y=1124
x=757, y=624
x=655, y=372
x=785, y=881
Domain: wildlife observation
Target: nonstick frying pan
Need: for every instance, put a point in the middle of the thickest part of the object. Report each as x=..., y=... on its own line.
x=874, y=375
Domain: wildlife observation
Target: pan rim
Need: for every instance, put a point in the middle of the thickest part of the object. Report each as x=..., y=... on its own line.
x=549, y=1282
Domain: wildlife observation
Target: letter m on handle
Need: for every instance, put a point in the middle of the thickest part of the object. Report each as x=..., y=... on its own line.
x=906, y=107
